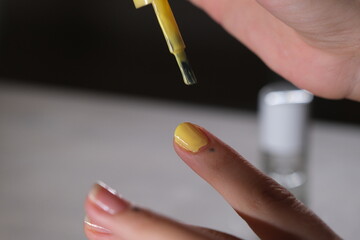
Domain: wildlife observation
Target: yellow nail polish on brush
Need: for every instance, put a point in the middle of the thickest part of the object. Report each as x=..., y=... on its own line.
x=190, y=137
x=172, y=35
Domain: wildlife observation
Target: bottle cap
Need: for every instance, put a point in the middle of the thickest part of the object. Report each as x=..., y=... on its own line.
x=284, y=115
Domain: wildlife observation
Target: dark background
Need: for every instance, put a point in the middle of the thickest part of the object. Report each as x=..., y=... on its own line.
x=111, y=47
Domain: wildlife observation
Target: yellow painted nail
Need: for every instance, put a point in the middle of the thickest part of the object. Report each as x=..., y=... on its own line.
x=190, y=137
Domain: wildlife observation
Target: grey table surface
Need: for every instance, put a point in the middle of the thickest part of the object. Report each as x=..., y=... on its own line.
x=54, y=144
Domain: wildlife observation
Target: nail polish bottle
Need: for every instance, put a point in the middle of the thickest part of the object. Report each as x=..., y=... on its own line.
x=284, y=126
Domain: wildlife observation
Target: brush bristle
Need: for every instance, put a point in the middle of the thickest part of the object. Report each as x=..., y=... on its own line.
x=188, y=73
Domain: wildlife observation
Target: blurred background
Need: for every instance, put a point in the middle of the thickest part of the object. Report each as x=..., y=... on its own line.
x=111, y=47
x=89, y=91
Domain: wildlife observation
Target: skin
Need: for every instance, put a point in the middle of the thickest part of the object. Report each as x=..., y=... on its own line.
x=269, y=209
x=313, y=44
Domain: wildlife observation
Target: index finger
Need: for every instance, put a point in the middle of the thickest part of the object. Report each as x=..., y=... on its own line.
x=269, y=209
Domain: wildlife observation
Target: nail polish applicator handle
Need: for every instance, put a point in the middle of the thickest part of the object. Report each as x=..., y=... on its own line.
x=172, y=35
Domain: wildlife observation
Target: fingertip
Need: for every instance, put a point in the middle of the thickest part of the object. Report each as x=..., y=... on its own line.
x=93, y=228
x=190, y=137
x=96, y=236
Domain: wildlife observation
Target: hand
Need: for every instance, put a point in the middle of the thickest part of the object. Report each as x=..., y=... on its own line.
x=314, y=44
x=270, y=210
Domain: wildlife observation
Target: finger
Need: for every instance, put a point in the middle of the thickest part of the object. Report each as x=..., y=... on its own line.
x=320, y=59
x=216, y=235
x=277, y=44
x=247, y=20
x=244, y=19
x=270, y=210
x=333, y=20
x=106, y=210
x=94, y=231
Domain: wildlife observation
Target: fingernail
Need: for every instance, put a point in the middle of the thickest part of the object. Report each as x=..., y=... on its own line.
x=190, y=137
x=96, y=228
x=107, y=199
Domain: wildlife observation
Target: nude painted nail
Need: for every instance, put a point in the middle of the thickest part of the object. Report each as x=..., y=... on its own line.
x=106, y=198
x=94, y=227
